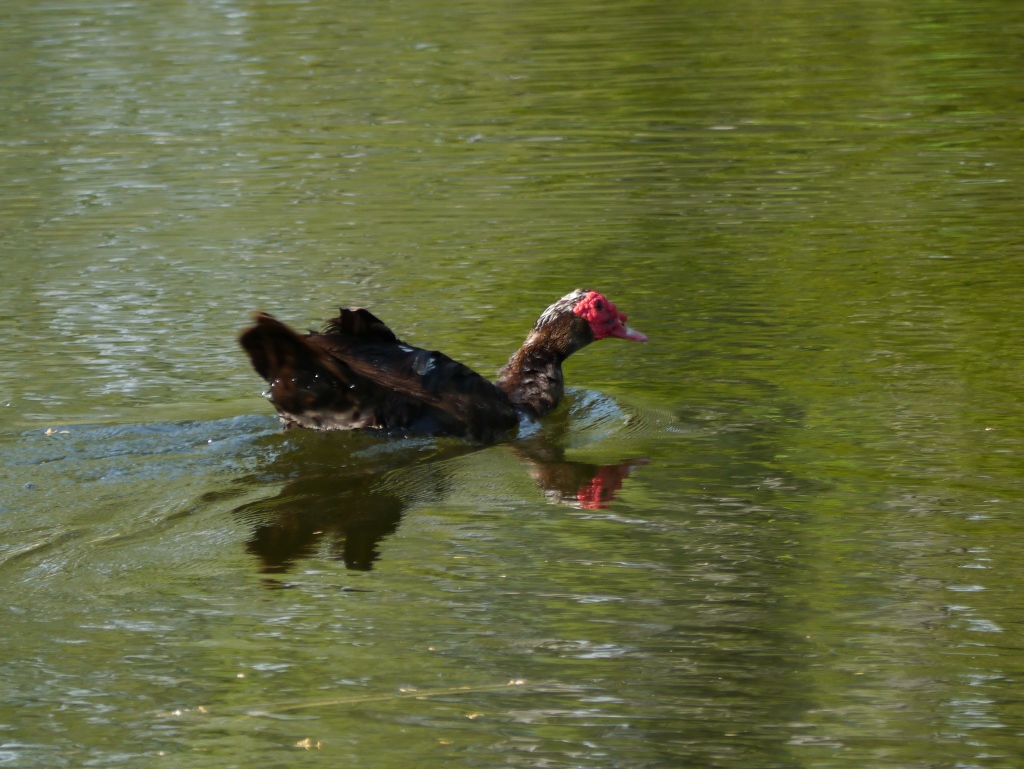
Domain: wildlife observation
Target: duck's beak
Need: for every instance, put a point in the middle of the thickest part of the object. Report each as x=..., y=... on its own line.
x=622, y=331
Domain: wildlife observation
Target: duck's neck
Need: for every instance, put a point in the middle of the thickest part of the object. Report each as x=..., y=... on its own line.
x=532, y=378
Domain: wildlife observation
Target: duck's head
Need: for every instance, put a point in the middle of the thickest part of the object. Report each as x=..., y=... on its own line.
x=602, y=317
x=576, y=320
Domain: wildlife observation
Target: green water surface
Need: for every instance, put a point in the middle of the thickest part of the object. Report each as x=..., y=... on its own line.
x=785, y=533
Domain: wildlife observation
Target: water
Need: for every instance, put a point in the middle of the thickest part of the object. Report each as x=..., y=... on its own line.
x=783, y=534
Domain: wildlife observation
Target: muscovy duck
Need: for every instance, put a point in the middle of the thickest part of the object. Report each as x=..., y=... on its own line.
x=357, y=374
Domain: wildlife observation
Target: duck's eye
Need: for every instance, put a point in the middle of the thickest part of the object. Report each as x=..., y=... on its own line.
x=599, y=306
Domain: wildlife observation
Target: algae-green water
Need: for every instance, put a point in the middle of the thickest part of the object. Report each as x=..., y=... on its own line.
x=785, y=533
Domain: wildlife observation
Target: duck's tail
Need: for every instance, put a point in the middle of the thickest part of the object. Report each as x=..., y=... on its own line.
x=308, y=387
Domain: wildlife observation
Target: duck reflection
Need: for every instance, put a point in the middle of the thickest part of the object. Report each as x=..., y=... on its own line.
x=347, y=518
x=579, y=484
x=343, y=512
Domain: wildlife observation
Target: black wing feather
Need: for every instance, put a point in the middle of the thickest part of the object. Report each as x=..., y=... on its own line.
x=359, y=374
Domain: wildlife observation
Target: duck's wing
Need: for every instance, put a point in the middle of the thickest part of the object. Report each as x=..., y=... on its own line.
x=357, y=373
x=360, y=325
x=371, y=350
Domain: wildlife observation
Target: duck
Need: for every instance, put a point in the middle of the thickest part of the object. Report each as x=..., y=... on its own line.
x=356, y=374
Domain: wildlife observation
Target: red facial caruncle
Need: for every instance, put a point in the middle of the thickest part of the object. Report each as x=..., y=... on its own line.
x=601, y=489
x=604, y=319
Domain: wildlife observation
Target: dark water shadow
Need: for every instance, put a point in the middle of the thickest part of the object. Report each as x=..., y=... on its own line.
x=344, y=493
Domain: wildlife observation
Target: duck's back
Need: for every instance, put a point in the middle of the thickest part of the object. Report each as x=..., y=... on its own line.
x=358, y=374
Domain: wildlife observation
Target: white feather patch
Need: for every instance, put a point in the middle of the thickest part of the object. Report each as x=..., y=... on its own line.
x=566, y=303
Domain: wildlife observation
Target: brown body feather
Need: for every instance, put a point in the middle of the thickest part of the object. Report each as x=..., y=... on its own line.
x=532, y=378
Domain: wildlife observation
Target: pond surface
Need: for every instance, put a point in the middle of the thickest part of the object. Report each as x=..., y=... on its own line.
x=785, y=533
